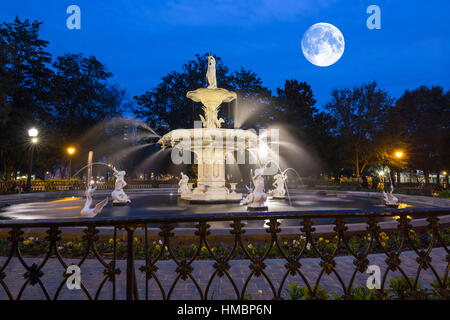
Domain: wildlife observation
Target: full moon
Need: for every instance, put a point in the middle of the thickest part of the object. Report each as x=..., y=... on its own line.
x=323, y=44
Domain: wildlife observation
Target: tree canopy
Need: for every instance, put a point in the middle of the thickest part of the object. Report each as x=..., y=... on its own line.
x=73, y=100
x=63, y=97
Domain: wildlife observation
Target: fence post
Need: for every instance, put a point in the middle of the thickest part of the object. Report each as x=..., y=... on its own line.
x=132, y=293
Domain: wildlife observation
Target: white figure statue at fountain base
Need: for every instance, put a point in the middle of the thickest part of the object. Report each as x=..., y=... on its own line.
x=389, y=199
x=279, y=191
x=183, y=189
x=87, y=210
x=118, y=195
x=256, y=200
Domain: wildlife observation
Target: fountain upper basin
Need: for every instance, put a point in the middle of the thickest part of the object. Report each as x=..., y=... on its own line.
x=211, y=97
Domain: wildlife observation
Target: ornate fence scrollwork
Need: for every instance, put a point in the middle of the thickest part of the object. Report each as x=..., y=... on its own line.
x=221, y=263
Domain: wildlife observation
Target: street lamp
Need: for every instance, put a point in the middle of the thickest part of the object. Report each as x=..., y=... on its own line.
x=32, y=133
x=399, y=154
x=70, y=151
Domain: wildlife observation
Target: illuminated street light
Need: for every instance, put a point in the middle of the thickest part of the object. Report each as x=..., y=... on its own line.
x=32, y=133
x=70, y=151
x=399, y=154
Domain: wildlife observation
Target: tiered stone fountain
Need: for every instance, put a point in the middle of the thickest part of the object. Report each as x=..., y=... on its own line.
x=210, y=143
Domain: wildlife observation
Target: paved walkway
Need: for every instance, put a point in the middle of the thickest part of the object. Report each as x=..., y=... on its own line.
x=92, y=275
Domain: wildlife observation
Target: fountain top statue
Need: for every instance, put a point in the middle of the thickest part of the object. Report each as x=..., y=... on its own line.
x=211, y=73
x=211, y=97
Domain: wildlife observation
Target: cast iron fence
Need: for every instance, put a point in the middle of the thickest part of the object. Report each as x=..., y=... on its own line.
x=32, y=274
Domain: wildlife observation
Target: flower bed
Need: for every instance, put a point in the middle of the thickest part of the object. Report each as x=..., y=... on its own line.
x=35, y=246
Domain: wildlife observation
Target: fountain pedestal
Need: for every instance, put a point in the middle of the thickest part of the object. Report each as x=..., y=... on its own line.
x=211, y=179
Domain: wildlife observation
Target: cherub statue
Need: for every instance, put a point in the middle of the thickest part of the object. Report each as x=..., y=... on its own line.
x=279, y=183
x=87, y=210
x=118, y=195
x=389, y=199
x=183, y=185
x=257, y=198
x=211, y=73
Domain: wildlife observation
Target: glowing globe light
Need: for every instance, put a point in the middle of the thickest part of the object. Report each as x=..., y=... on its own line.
x=33, y=132
x=399, y=154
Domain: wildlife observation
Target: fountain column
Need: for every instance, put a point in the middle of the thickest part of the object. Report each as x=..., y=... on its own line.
x=211, y=174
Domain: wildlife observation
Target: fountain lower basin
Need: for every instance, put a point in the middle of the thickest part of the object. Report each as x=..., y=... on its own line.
x=213, y=147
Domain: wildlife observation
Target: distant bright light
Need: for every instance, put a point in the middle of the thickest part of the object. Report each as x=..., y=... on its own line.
x=399, y=154
x=263, y=151
x=444, y=173
x=71, y=150
x=34, y=140
x=33, y=132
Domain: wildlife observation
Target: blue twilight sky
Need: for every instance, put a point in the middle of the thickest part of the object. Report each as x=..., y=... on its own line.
x=140, y=40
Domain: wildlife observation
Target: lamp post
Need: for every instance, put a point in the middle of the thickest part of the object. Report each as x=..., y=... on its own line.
x=398, y=155
x=70, y=151
x=32, y=133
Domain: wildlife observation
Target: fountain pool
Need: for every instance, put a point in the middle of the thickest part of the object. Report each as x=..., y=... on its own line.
x=166, y=201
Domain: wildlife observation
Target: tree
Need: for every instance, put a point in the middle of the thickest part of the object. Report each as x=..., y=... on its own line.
x=63, y=103
x=166, y=107
x=23, y=88
x=253, y=106
x=294, y=108
x=295, y=104
x=82, y=98
x=79, y=92
x=425, y=112
x=360, y=114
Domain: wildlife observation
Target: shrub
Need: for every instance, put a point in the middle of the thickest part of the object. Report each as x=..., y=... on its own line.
x=297, y=292
x=400, y=289
x=360, y=293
